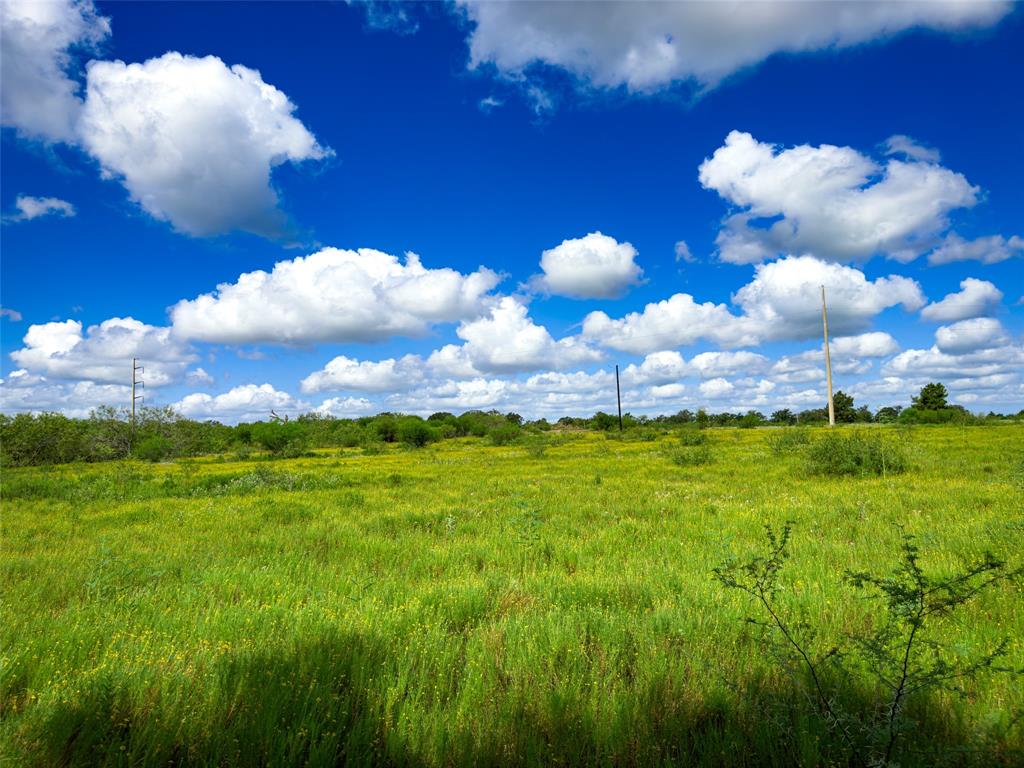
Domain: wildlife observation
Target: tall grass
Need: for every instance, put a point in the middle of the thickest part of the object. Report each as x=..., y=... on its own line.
x=466, y=604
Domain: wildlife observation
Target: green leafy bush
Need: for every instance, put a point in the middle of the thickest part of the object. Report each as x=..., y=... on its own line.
x=856, y=454
x=505, y=435
x=283, y=439
x=416, y=433
x=536, y=445
x=789, y=440
x=692, y=437
x=691, y=455
x=153, y=448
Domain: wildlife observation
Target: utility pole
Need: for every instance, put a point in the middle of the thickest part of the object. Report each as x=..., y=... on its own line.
x=618, y=395
x=136, y=381
x=828, y=361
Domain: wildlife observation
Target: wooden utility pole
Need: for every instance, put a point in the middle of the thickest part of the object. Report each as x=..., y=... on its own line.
x=618, y=396
x=828, y=361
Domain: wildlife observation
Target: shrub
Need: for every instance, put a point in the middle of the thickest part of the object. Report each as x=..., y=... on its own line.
x=416, y=432
x=505, y=435
x=789, y=440
x=284, y=439
x=692, y=437
x=153, y=448
x=386, y=427
x=857, y=454
x=904, y=645
x=690, y=456
x=536, y=446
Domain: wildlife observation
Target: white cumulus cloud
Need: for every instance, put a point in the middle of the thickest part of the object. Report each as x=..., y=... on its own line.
x=24, y=392
x=194, y=141
x=971, y=335
x=103, y=353
x=39, y=97
x=987, y=250
x=592, y=267
x=975, y=297
x=783, y=301
x=507, y=340
x=908, y=147
x=334, y=295
x=248, y=402
x=716, y=388
x=716, y=364
x=827, y=201
x=29, y=208
x=673, y=322
x=346, y=407
x=388, y=375
x=198, y=377
x=648, y=46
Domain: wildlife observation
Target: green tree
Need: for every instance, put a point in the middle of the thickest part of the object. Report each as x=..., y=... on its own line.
x=702, y=418
x=931, y=398
x=784, y=416
x=888, y=414
x=844, y=410
x=415, y=432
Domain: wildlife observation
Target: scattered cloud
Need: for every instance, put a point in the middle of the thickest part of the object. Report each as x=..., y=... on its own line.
x=39, y=98
x=971, y=335
x=646, y=47
x=674, y=322
x=976, y=297
x=828, y=201
x=198, y=377
x=489, y=104
x=103, y=353
x=506, y=340
x=592, y=267
x=334, y=295
x=987, y=250
x=248, y=402
x=783, y=301
x=909, y=148
x=29, y=208
x=24, y=392
x=683, y=252
x=933, y=363
x=874, y=344
x=346, y=407
x=194, y=141
x=716, y=388
x=717, y=364
x=11, y=314
x=344, y=373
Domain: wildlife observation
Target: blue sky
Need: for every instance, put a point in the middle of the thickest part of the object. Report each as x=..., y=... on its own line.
x=544, y=181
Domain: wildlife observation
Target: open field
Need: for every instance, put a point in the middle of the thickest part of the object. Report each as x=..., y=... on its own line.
x=471, y=604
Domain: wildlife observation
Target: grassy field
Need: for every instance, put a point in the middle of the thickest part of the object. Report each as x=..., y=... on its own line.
x=469, y=604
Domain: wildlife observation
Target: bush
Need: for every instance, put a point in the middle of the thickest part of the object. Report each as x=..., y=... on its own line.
x=536, y=446
x=692, y=437
x=505, y=435
x=857, y=454
x=690, y=456
x=789, y=440
x=386, y=428
x=416, y=432
x=284, y=439
x=153, y=448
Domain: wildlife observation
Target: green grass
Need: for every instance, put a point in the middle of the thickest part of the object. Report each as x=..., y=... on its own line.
x=473, y=604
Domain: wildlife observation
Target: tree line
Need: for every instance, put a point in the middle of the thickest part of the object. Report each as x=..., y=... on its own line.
x=162, y=433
